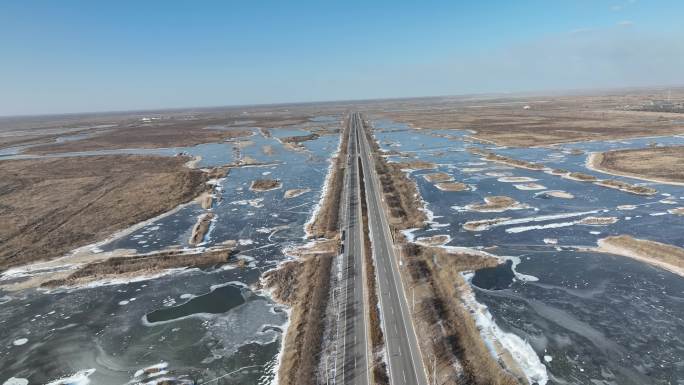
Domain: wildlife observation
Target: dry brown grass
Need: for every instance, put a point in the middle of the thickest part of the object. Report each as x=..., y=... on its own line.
x=295, y=192
x=452, y=186
x=490, y=156
x=628, y=187
x=51, y=206
x=438, y=177
x=304, y=285
x=299, y=138
x=128, y=266
x=597, y=221
x=444, y=325
x=495, y=203
x=550, y=120
x=665, y=164
x=265, y=185
x=399, y=191
x=199, y=230
x=666, y=256
x=153, y=135
x=582, y=177
x=483, y=224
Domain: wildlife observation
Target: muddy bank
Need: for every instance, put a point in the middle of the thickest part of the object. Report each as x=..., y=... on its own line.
x=52, y=206
x=667, y=257
x=656, y=164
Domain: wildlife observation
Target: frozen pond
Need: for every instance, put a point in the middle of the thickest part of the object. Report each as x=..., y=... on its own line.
x=590, y=317
x=184, y=326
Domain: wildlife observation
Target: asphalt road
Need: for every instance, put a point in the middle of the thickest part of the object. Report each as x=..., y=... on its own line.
x=351, y=365
x=404, y=361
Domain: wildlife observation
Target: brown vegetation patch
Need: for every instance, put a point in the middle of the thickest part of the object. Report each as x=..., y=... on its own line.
x=265, y=185
x=51, y=206
x=435, y=240
x=443, y=325
x=492, y=157
x=399, y=191
x=550, y=120
x=416, y=165
x=483, y=224
x=452, y=186
x=628, y=187
x=580, y=176
x=295, y=192
x=199, y=230
x=496, y=203
x=661, y=164
x=304, y=285
x=152, y=135
x=597, y=221
x=668, y=257
x=438, y=177
x=445, y=328
x=136, y=265
x=299, y=138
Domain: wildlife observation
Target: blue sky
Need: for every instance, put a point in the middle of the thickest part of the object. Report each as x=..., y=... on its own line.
x=77, y=56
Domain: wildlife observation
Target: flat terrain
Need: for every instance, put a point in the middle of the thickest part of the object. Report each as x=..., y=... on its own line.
x=51, y=206
x=153, y=129
x=537, y=120
x=668, y=257
x=664, y=164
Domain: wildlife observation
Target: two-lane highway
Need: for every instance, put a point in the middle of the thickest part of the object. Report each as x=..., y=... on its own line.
x=405, y=363
x=352, y=355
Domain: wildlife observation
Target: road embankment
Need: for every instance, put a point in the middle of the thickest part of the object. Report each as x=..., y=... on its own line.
x=379, y=373
x=449, y=340
x=304, y=286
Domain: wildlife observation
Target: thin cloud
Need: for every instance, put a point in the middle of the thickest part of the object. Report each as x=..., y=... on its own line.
x=625, y=23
